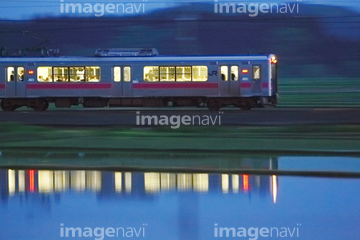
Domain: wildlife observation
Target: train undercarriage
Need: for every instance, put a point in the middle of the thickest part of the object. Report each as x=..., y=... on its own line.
x=213, y=104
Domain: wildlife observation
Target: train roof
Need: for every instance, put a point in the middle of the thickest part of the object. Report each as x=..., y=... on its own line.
x=138, y=59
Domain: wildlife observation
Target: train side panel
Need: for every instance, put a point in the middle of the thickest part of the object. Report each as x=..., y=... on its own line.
x=246, y=82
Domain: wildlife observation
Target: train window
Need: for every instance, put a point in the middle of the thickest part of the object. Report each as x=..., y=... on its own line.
x=10, y=74
x=61, y=74
x=77, y=74
x=93, y=74
x=167, y=74
x=127, y=74
x=183, y=74
x=256, y=72
x=199, y=73
x=44, y=74
x=117, y=74
x=234, y=73
x=20, y=74
x=224, y=73
x=151, y=73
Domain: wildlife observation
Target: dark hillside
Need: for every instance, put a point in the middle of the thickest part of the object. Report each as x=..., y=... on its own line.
x=320, y=41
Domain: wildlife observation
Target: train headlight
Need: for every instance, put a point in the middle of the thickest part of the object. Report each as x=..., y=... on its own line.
x=273, y=59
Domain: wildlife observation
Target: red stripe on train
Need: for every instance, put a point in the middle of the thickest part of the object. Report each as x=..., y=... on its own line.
x=245, y=85
x=68, y=86
x=174, y=85
x=2, y=86
x=265, y=85
x=248, y=85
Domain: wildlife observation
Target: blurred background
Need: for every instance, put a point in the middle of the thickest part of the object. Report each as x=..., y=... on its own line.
x=317, y=42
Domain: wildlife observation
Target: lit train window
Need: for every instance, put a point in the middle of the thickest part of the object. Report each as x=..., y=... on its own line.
x=77, y=74
x=183, y=74
x=93, y=74
x=224, y=73
x=256, y=72
x=199, y=73
x=61, y=74
x=167, y=74
x=20, y=74
x=10, y=74
x=151, y=73
x=178, y=73
x=117, y=74
x=234, y=73
x=44, y=74
x=127, y=74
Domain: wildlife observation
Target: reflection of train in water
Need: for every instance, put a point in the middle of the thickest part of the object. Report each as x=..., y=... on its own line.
x=137, y=183
x=137, y=77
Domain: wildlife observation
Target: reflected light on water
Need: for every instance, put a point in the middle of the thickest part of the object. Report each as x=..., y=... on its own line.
x=184, y=181
x=152, y=182
x=11, y=182
x=61, y=179
x=93, y=180
x=55, y=181
x=235, y=183
x=118, y=181
x=201, y=182
x=46, y=181
x=225, y=183
x=168, y=181
x=78, y=180
x=128, y=181
x=245, y=182
x=122, y=181
x=32, y=180
x=274, y=187
x=21, y=180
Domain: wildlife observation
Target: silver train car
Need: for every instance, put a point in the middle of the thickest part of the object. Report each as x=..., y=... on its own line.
x=138, y=77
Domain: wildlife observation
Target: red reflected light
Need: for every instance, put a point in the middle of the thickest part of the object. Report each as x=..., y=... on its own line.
x=246, y=182
x=31, y=72
x=31, y=180
x=244, y=71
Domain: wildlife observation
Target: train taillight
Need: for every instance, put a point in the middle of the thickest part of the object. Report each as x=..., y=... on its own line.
x=244, y=71
x=31, y=72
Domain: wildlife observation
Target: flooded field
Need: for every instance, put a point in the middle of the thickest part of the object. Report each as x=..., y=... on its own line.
x=208, y=197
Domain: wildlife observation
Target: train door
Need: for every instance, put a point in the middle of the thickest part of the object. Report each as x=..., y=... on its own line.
x=15, y=81
x=122, y=82
x=229, y=80
x=117, y=83
x=234, y=80
x=127, y=84
x=256, y=78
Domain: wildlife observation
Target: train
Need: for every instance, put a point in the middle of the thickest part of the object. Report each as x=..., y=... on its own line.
x=138, y=77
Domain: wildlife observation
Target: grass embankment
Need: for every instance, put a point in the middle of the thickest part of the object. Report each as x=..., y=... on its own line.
x=339, y=139
x=318, y=92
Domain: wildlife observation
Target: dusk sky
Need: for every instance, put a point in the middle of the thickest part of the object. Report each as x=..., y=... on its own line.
x=27, y=9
